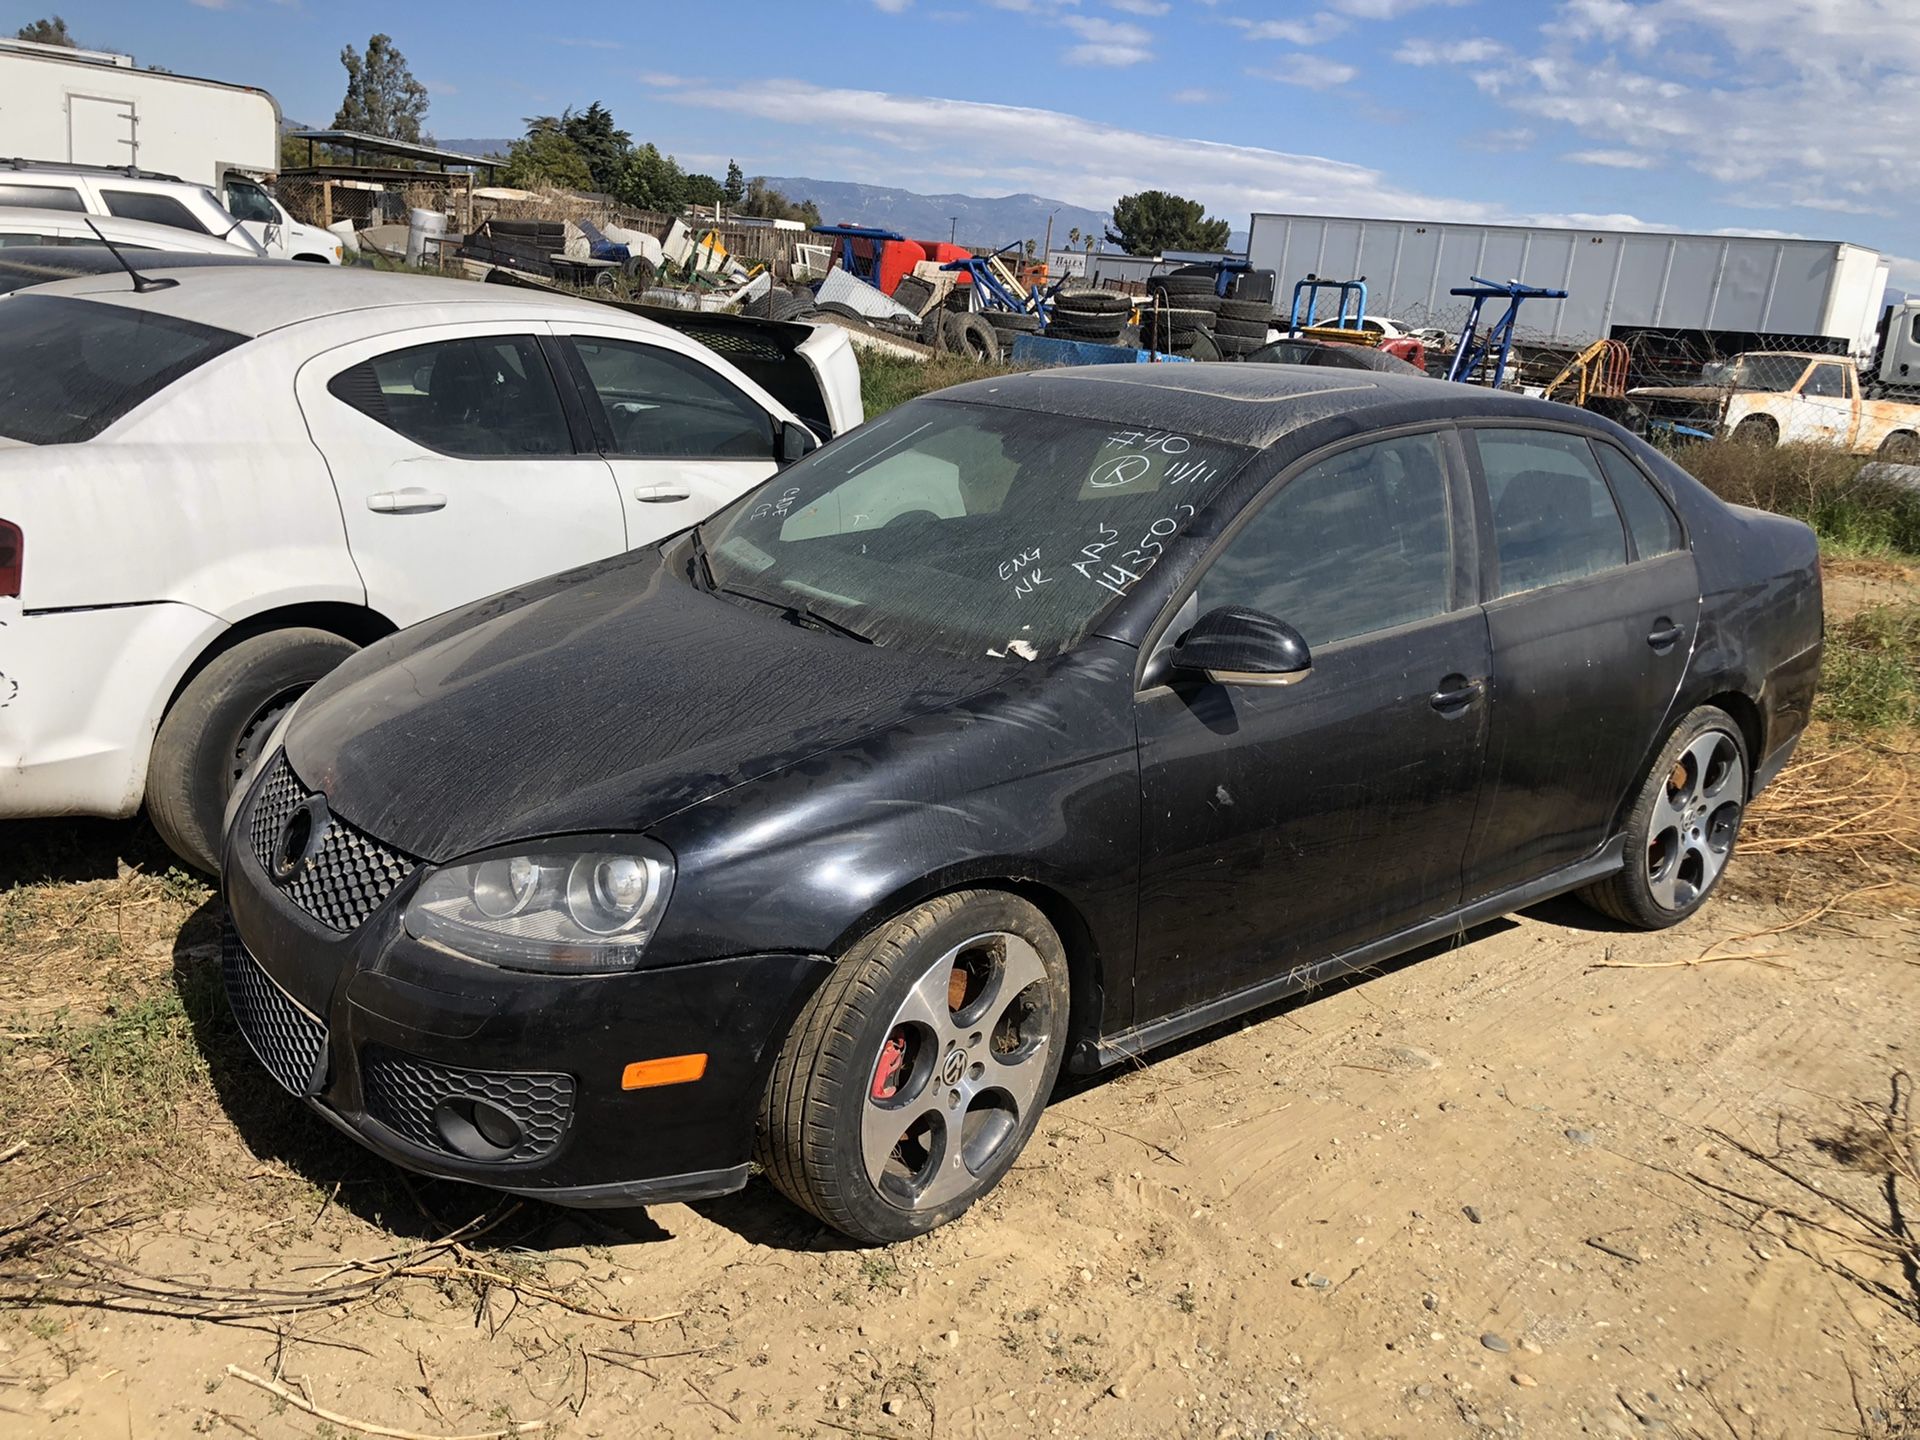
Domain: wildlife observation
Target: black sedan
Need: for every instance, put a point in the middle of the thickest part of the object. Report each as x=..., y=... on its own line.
x=1042, y=721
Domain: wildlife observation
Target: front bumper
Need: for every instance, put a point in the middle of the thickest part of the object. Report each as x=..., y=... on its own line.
x=401, y=1044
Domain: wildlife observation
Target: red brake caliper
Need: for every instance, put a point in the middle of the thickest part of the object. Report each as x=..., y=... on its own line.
x=886, y=1075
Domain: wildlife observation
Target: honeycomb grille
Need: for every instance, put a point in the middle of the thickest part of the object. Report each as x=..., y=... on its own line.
x=288, y=1040
x=403, y=1093
x=346, y=879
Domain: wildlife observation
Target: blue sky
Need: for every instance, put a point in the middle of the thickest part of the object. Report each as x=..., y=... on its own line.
x=1753, y=115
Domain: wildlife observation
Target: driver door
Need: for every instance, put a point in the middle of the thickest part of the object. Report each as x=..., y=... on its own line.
x=248, y=203
x=1282, y=824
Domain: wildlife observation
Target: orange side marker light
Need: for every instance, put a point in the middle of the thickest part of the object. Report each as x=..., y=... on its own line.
x=667, y=1070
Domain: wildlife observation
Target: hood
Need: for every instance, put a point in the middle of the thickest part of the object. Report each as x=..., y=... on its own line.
x=604, y=699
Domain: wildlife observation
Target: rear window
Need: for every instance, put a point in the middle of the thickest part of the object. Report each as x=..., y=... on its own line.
x=70, y=368
x=41, y=197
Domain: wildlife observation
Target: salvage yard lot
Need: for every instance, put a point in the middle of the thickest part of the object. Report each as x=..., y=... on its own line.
x=1555, y=1178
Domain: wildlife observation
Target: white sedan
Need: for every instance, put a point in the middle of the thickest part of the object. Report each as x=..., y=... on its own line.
x=70, y=227
x=214, y=489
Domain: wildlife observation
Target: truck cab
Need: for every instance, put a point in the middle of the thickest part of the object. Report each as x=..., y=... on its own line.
x=1786, y=397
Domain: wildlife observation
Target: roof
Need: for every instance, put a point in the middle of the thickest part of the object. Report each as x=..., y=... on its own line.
x=1240, y=404
x=381, y=145
x=255, y=299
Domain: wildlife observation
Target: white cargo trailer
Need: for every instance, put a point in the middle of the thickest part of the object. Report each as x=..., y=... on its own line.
x=1632, y=281
x=94, y=108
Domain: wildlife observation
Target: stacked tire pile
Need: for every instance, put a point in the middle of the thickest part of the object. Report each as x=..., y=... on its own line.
x=1181, y=314
x=1242, y=327
x=1009, y=326
x=1098, y=317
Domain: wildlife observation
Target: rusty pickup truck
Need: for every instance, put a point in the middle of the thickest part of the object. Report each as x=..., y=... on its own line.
x=1772, y=397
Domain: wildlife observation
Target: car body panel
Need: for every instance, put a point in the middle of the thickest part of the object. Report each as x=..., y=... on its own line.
x=68, y=227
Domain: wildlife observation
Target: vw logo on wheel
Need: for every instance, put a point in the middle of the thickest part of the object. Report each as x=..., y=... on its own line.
x=300, y=839
x=953, y=1067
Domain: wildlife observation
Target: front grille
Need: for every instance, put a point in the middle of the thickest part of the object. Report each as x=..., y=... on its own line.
x=404, y=1093
x=347, y=878
x=286, y=1037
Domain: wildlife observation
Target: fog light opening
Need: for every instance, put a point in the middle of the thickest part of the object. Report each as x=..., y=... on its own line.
x=477, y=1129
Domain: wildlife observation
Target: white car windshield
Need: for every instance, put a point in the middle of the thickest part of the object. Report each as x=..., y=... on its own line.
x=965, y=529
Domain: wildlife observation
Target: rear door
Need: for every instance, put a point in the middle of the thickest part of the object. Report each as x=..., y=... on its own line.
x=1594, y=610
x=453, y=451
x=682, y=438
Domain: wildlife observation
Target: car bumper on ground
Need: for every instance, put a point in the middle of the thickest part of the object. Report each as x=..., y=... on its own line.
x=81, y=692
x=514, y=1081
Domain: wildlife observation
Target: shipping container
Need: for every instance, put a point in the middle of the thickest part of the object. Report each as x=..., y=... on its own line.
x=90, y=107
x=1617, y=281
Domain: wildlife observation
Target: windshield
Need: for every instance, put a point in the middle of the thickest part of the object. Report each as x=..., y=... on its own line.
x=1762, y=372
x=967, y=530
x=70, y=368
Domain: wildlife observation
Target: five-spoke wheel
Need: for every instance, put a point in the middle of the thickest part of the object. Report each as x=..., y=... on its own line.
x=1682, y=826
x=916, y=1074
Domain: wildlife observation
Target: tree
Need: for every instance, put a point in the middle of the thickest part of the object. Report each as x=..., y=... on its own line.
x=546, y=157
x=703, y=190
x=735, y=189
x=47, y=32
x=652, y=181
x=1073, y=238
x=1154, y=222
x=604, y=147
x=763, y=202
x=383, y=98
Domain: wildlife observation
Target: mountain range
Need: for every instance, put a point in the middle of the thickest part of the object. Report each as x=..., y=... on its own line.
x=971, y=219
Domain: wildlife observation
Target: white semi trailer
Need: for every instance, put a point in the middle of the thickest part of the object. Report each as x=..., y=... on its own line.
x=1677, y=295
x=91, y=107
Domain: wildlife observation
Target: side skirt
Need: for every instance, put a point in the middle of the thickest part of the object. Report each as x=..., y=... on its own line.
x=1134, y=1043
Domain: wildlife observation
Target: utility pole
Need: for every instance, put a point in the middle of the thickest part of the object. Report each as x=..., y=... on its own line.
x=953, y=231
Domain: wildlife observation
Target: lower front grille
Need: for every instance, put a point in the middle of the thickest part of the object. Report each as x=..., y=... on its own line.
x=286, y=1037
x=433, y=1106
x=344, y=878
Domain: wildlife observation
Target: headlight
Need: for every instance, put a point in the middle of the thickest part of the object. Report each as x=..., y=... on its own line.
x=561, y=908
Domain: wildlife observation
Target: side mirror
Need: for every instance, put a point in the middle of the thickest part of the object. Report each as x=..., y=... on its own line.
x=1237, y=646
x=794, y=441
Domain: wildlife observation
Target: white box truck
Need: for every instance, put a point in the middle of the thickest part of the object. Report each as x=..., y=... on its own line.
x=1682, y=298
x=89, y=107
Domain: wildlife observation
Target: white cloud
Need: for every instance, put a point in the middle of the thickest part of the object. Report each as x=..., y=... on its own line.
x=1107, y=42
x=1314, y=30
x=1196, y=95
x=1500, y=141
x=1612, y=159
x=1141, y=7
x=1387, y=9
x=1475, y=51
x=589, y=43
x=1613, y=20
x=1309, y=72
x=892, y=7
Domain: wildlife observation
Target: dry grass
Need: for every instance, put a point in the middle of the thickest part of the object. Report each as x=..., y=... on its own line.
x=1815, y=483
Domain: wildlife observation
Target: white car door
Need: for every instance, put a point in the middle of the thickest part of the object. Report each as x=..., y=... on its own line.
x=456, y=463
x=250, y=204
x=683, y=438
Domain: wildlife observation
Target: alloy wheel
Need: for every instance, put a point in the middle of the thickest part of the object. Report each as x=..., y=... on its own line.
x=1695, y=820
x=961, y=1069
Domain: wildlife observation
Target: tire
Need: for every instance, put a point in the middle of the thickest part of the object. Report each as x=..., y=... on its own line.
x=1008, y=322
x=972, y=335
x=1208, y=304
x=933, y=330
x=884, y=1019
x=1247, y=310
x=216, y=726
x=1199, y=346
x=1246, y=329
x=1104, y=328
x=1188, y=287
x=1900, y=448
x=1757, y=431
x=845, y=312
x=1092, y=302
x=1683, y=826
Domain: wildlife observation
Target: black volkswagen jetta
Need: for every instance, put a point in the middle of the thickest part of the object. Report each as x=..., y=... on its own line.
x=1047, y=719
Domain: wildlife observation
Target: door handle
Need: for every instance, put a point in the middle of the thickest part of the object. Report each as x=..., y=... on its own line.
x=1456, y=692
x=1664, y=635
x=658, y=494
x=411, y=501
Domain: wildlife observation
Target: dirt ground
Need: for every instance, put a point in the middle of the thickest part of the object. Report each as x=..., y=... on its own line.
x=1554, y=1179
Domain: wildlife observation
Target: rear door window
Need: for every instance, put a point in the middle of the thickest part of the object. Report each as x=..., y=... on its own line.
x=154, y=209
x=1553, y=517
x=70, y=368
x=1650, y=521
x=483, y=397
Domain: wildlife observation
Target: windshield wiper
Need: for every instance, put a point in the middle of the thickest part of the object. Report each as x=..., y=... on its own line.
x=700, y=559
x=800, y=614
